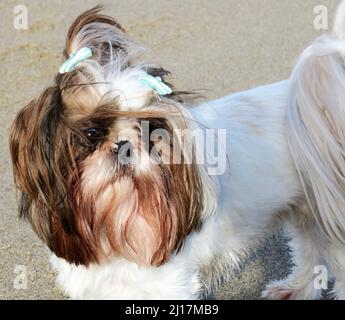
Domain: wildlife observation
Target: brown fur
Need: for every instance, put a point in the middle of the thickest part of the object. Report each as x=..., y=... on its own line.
x=88, y=18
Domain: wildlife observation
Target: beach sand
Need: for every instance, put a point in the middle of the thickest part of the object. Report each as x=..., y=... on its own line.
x=218, y=47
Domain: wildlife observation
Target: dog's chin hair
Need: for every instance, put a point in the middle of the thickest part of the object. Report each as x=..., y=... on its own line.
x=78, y=201
x=133, y=211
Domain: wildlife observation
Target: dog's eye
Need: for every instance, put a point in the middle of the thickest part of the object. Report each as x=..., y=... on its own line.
x=96, y=134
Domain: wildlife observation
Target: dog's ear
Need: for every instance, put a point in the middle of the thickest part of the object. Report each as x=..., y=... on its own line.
x=42, y=148
x=102, y=34
x=31, y=145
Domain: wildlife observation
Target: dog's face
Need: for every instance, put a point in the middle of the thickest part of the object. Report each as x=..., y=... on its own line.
x=90, y=185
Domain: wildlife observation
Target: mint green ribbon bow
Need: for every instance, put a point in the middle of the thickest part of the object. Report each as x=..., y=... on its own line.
x=74, y=59
x=157, y=84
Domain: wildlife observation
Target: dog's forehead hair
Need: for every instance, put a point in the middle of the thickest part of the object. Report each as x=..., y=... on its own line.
x=82, y=99
x=99, y=100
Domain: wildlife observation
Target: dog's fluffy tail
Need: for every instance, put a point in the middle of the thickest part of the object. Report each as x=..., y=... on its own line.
x=316, y=127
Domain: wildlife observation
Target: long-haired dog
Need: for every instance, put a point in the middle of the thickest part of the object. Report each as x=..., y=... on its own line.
x=126, y=220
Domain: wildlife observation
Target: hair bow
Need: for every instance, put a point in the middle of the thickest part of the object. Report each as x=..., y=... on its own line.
x=74, y=59
x=157, y=84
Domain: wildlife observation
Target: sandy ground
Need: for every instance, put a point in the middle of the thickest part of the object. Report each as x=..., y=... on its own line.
x=220, y=46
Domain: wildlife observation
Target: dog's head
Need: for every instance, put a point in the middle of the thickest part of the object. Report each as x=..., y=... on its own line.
x=89, y=183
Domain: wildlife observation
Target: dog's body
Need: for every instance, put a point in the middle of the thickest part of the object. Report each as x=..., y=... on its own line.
x=285, y=149
x=255, y=122
x=254, y=197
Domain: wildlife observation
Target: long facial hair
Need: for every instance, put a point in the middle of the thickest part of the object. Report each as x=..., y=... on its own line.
x=80, y=200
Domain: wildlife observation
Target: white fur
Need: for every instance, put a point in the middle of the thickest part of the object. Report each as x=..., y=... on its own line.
x=285, y=146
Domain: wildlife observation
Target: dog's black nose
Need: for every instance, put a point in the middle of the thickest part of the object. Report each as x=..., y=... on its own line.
x=121, y=144
x=124, y=151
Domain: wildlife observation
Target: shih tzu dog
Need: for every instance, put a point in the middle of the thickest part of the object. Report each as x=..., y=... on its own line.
x=116, y=170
